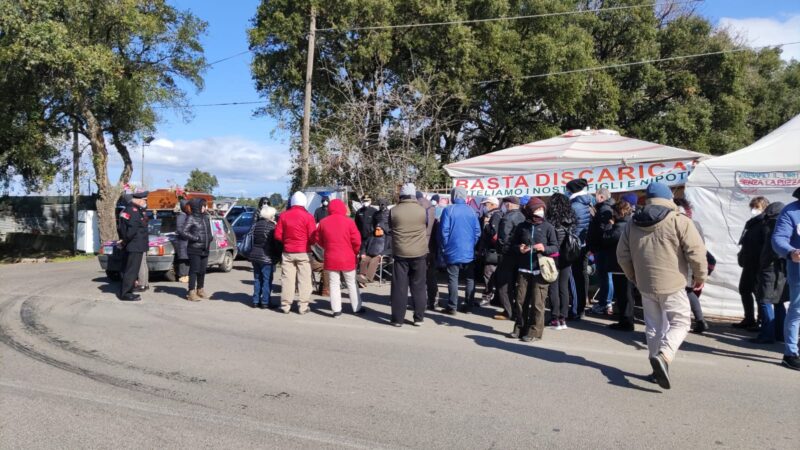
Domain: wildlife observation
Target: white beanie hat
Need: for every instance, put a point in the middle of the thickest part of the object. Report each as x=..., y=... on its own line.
x=299, y=199
x=408, y=190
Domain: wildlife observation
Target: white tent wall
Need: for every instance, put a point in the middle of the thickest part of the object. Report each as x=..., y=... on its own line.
x=720, y=190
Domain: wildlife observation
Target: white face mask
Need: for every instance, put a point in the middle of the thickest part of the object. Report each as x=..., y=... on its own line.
x=434, y=202
x=324, y=203
x=755, y=211
x=539, y=213
x=366, y=204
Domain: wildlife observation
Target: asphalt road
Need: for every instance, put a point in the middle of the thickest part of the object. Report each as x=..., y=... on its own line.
x=79, y=369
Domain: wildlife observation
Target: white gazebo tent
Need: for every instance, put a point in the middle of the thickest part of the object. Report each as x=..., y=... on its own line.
x=720, y=190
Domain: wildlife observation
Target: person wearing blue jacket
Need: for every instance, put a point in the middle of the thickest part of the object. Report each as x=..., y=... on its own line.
x=786, y=243
x=583, y=205
x=459, y=231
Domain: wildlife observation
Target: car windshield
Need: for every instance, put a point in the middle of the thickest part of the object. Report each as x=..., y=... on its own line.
x=244, y=220
x=161, y=222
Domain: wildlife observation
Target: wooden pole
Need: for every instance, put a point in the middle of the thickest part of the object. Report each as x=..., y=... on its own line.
x=307, y=100
x=76, y=187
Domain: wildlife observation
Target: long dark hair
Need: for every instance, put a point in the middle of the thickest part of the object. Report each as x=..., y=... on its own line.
x=559, y=210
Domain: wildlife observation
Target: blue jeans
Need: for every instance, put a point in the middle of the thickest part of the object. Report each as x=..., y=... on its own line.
x=262, y=283
x=772, y=319
x=454, y=272
x=606, y=289
x=791, y=326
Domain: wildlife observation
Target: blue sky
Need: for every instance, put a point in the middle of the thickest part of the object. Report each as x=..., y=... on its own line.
x=250, y=155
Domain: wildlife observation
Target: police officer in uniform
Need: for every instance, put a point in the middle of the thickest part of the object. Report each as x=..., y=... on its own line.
x=132, y=230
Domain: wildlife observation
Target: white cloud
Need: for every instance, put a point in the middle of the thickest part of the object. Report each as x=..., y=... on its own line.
x=760, y=31
x=242, y=166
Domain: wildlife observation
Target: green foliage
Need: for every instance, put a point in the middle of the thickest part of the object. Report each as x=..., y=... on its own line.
x=712, y=104
x=200, y=181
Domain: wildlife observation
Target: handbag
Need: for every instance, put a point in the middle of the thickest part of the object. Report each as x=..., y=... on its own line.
x=547, y=268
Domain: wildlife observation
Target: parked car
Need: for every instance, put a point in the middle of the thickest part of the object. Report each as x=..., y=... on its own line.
x=161, y=251
x=237, y=211
x=241, y=226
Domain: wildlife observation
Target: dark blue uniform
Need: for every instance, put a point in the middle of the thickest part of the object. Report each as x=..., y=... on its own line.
x=132, y=229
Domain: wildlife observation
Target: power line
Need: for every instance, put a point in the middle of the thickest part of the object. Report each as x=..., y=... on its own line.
x=495, y=19
x=635, y=63
x=256, y=102
x=227, y=58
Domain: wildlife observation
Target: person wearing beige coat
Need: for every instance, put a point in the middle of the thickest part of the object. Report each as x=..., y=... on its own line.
x=656, y=252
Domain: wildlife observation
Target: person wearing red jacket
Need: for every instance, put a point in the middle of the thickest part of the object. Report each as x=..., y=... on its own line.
x=294, y=230
x=340, y=239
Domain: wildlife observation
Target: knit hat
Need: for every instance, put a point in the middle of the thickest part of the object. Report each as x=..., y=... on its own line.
x=631, y=198
x=408, y=190
x=512, y=199
x=299, y=199
x=659, y=190
x=577, y=185
x=534, y=204
x=435, y=198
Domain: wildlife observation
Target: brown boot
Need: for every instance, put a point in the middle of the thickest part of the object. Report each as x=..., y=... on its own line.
x=201, y=293
x=192, y=296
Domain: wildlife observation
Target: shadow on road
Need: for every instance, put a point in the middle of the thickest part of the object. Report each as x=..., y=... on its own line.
x=615, y=376
x=107, y=286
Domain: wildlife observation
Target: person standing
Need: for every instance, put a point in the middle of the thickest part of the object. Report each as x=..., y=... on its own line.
x=143, y=279
x=770, y=282
x=197, y=231
x=562, y=218
x=264, y=254
x=432, y=287
x=600, y=223
x=322, y=212
x=181, y=244
x=379, y=244
x=459, y=231
x=623, y=211
x=294, y=229
x=340, y=239
x=132, y=230
x=487, y=246
x=364, y=217
x=656, y=253
x=531, y=238
x=582, y=204
x=751, y=243
x=786, y=243
x=506, y=274
x=701, y=325
x=409, y=247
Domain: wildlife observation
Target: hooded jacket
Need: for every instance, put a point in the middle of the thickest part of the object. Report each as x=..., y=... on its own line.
x=582, y=205
x=339, y=237
x=197, y=230
x=409, y=229
x=459, y=230
x=294, y=229
x=771, y=277
x=659, y=246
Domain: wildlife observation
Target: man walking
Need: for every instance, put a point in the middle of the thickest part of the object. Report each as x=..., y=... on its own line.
x=786, y=243
x=409, y=247
x=656, y=253
x=132, y=229
x=459, y=232
x=506, y=274
x=294, y=230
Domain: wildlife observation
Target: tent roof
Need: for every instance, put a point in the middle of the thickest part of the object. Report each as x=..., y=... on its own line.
x=777, y=151
x=574, y=149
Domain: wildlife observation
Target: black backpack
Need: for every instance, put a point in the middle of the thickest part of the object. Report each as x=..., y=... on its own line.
x=570, y=250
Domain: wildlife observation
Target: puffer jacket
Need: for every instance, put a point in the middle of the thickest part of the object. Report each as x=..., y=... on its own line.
x=294, y=230
x=266, y=250
x=582, y=205
x=659, y=247
x=751, y=242
x=529, y=234
x=459, y=231
x=181, y=244
x=339, y=237
x=380, y=245
x=197, y=230
x=771, y=277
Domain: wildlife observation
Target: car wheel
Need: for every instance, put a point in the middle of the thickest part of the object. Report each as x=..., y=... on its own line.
x=227, y=262
x=113, y=276
x=170, y=274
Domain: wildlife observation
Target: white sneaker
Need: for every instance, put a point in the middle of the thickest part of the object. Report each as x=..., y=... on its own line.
x=562, y=325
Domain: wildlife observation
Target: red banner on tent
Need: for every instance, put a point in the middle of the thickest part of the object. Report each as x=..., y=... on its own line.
x=621, y=178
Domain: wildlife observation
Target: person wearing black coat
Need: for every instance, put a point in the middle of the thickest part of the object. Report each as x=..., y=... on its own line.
x=771, y=282
x=623, y=212
x=379, y=243
x=322, y=212
x=751, y=242
x=533, y=237
x=133, y=238
x=265, y=253
x=600, y=223
x=181, y=244
x=197, y=231
x=505, y=275
x=364, y=217
x=562, y=217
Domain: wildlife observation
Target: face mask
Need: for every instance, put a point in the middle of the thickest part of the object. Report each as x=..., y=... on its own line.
x=504, y=209
x=681, y=210
x=366, y=204
x=755, y=211
x=539, y=213
x=324, y=203
x=434, y=202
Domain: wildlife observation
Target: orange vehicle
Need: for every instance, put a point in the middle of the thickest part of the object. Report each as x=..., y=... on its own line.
x=168, y=198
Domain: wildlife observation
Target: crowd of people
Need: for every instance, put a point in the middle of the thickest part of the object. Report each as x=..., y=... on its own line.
x=529, y=255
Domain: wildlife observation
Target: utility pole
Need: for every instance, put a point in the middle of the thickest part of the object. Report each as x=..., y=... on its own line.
x=312, y=31
x=145, y=143
x=76, y=187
